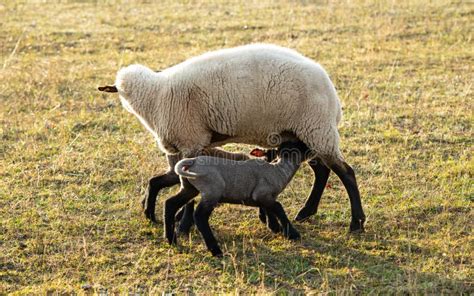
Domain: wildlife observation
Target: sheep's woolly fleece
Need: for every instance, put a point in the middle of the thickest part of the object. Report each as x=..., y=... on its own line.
x=246, y=93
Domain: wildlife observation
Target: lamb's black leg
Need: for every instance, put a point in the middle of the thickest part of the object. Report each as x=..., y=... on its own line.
x=179, y=214
x=288, y=230
x=321, y=173
x=347, y=176
x=187, y=219
x=271, y=222
x=201, y=218
x=262, y=215
x=172, y=205
x=155, y=184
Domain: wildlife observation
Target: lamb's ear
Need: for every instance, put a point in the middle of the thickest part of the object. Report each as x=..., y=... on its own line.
x=257, y=152
x=108, y=88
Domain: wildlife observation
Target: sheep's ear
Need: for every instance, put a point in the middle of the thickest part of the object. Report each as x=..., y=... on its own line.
x=257, y=152
x=108, y=88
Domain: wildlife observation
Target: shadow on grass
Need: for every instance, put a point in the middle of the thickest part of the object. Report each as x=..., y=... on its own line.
x=318, y=263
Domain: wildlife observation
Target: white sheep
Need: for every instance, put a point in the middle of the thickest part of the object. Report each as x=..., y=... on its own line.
x=247, y=95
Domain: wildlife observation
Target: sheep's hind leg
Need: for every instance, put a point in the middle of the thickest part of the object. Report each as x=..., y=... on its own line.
x=172, y=205
x=288, y=230
x=347, y=176
x=321, y=174
x=201, y=218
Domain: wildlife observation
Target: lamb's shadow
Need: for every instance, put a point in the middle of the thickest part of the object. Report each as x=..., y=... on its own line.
x=370, y=262
x=304, y=264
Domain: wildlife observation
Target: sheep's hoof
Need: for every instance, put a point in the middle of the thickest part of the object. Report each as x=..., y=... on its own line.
x=304, y=215
x=357, y=226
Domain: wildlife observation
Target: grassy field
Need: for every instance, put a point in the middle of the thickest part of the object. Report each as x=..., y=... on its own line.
x=74, y=165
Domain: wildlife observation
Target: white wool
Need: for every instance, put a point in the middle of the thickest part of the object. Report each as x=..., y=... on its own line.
x=247, y=93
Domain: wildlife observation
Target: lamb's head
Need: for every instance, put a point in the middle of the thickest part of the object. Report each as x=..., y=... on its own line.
x=294, y=150
x=133, y=83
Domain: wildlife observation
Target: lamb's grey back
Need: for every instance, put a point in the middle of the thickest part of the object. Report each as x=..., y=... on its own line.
x=237, y=181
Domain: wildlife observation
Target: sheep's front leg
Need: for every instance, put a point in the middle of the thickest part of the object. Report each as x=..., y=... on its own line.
x=186, y=193
x=155, y=184
x=201, y=218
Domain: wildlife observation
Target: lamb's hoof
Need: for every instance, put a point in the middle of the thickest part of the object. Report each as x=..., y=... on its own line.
x=172, y=241
x=185, y=225
x=304, y=215
x=293, y=235
x=216, y=252
x=357, y=226
x=143, y=202
x=184, y=230
x=275, y=227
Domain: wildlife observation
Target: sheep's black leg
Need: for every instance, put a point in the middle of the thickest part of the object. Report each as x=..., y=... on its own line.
x=347, y=176
x=288, y=230
x=201, y=218
x=155, y=184
x=172, y=205
x=321, y=174
x=187, y=219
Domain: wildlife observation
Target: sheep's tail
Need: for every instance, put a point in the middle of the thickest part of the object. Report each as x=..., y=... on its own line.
x=183, y=166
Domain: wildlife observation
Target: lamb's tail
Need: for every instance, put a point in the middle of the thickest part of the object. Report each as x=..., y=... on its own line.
x=183, y=166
